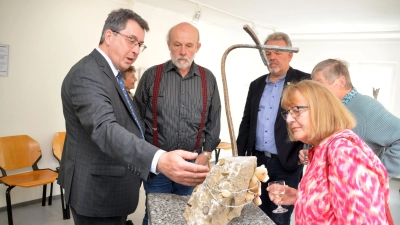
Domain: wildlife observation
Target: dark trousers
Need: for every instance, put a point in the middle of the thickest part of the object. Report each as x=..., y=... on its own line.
x=85, y=220
x=277, y=172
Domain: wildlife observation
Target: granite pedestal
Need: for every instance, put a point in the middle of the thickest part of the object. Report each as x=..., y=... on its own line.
x=165, y=209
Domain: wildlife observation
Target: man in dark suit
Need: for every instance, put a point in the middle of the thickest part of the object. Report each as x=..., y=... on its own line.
x=105, y=156
x=263, y=131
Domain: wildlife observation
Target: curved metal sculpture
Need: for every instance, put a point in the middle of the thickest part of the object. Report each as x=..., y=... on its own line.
x=261, y=48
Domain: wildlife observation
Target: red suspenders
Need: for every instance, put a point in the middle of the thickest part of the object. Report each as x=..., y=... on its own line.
x=203, y=113
x=156, y=89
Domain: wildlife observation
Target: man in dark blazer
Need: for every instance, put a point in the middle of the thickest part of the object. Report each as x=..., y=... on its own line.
x=105, y=156
x=263, y=131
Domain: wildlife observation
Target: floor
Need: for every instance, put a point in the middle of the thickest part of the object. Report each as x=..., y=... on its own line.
x=35, y=214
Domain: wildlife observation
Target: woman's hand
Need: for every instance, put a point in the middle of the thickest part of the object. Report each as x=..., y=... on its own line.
x=303, y=156
x=287, y=199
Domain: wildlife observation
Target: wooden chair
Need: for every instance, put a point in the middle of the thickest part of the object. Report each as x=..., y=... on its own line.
x=19, y=152
x=58, y=146
x=223, y=146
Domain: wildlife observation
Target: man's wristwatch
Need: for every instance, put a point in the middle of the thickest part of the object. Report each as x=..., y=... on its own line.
x=207, y=154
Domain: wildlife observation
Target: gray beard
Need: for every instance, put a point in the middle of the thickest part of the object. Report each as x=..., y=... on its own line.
x=274, y=70
x=180, y=66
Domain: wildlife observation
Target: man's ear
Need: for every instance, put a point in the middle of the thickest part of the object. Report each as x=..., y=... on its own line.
x=198, y=47
x=342, y=81
x=108, y=36
x=290, y=56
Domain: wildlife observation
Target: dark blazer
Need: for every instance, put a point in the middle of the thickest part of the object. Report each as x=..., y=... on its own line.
x=104, y=158
x=287, y=151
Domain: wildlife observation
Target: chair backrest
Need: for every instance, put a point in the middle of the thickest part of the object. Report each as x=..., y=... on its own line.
x=58, y=145
x=17, y=152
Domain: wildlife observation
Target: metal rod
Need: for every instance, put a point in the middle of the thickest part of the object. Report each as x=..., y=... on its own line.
x=261, y=49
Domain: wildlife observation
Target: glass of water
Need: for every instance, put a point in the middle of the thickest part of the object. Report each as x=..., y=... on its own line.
x=277, y=188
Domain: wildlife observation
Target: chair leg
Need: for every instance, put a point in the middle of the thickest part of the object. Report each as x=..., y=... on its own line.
x=217, y=151
x=9, y=209
x=65, y=206
x=62, y=204
x=51, y=194
x=68, y=212
x=44, y=195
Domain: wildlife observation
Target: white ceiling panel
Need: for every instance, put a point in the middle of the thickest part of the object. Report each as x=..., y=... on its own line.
x=294, y=16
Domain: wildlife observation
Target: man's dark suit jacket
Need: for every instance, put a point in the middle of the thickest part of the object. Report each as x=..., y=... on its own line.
x=104, y=158
x=287, y=151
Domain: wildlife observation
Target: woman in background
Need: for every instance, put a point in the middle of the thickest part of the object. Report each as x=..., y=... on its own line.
x=129, y=80
x=345, y=182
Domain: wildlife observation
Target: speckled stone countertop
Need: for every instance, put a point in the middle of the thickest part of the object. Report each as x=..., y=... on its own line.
x=167, y=209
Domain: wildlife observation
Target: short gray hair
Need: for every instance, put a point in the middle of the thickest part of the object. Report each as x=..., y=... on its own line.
x=279, y=36
x=332, y=69
x=117, y=19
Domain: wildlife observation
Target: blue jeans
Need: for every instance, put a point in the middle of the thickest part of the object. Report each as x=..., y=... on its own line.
x=162, y=184
x=277, y=172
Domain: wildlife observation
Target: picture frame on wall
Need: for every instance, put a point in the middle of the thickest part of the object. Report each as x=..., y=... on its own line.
x=4, y=56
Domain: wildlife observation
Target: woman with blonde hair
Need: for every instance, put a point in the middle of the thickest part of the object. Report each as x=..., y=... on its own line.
x=129, y=78
x=345, y=182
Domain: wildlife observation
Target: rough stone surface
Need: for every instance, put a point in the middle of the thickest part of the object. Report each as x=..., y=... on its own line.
x=221, y=197
x=167, y=209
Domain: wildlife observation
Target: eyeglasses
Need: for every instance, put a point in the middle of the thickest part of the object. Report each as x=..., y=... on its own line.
x=294, y=111
x=133, y=41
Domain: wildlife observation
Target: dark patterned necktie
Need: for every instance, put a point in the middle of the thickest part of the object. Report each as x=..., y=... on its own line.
x=121, y=84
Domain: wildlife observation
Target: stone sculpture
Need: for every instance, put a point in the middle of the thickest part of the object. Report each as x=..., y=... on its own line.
x=230, y=185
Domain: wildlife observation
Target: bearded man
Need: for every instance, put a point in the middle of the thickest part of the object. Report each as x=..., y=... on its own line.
x=180, y=104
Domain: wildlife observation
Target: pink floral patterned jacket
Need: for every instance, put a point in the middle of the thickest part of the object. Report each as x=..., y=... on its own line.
x=352, y=189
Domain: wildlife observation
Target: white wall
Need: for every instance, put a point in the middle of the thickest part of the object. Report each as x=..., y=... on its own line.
x=47, y=37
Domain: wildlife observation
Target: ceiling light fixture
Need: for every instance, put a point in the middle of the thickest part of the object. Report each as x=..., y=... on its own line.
x=254, y=28
x=197, y=15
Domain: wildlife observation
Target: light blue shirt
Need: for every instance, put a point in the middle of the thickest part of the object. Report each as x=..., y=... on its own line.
x=154, y=163
x=267, y=113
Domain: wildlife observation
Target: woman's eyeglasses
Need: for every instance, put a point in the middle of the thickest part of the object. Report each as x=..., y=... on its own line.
x=294, y=111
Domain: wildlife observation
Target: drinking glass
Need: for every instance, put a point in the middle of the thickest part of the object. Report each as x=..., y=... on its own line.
x=278, y=189
x=306, y=146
